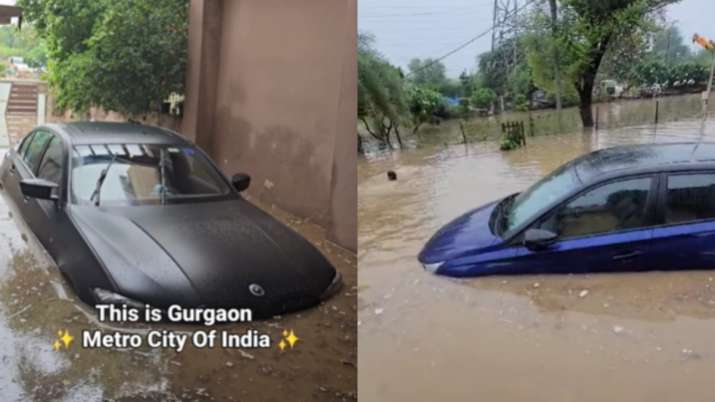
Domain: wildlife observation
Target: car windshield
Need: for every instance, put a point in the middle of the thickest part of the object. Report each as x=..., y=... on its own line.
x=142, y=173
x=519, y=209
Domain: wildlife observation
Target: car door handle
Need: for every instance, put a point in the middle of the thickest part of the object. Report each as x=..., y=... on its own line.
x=626, y=256
x=12, y=168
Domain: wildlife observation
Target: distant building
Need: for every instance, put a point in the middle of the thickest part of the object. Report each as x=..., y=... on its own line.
x=10, y=13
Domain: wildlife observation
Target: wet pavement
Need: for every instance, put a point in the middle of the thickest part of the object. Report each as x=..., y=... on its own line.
x=35, y=302
x=597, y=337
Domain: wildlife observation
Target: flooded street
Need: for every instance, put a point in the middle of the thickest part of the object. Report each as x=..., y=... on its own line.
x=626, y=337
x=35, y=303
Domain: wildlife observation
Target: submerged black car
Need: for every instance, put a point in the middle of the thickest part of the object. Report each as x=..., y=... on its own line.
x=138, y=215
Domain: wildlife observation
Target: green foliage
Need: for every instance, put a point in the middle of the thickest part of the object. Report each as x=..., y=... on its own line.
x=466, y=81
x=508, y=144
x=125, y=56
x=513, y=136
x=25, y=43
x=586, y=31
x=669, y=46
x=483, y=98
x=382, y=103
x=428, y=73
x=422, y=103
x=521, y=103
x=495, y=66
x=668, y=76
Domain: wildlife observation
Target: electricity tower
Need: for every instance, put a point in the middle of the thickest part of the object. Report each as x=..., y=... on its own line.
x=505, y=24
x=505, y=31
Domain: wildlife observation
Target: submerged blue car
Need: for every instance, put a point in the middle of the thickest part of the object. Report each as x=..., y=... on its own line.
x=628, y=208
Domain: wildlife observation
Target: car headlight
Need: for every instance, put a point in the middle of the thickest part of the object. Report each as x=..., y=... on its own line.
x=104, y=296
x=334, y=286
x=433, y=267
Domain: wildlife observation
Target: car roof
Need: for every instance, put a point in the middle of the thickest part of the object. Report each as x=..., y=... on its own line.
x=644, y=158
x=83, y=133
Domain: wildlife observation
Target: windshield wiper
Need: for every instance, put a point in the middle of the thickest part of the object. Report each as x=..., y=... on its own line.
x=100, y=180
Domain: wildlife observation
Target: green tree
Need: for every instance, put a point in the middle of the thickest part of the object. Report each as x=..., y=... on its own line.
x=428, y=73
x=381, y=99
x=466, y=81
x=595, y=26
x=495, y=66
x=124, y=56
x=669, y=46
x=483, y=98
x=422, y=103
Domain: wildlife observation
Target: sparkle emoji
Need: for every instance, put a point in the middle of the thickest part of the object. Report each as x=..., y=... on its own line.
x=289, y=339
x=63, y=339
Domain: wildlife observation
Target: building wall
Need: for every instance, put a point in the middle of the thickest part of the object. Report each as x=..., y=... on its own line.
x=271, y=91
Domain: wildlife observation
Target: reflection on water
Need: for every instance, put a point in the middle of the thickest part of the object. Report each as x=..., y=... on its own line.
x=630, y=336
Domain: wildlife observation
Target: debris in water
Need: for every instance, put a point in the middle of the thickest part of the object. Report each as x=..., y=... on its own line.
x=536, y=284
x=391, y=175
x=379, y=311
x=246, y=355
x=583, y=293
x=617, y=329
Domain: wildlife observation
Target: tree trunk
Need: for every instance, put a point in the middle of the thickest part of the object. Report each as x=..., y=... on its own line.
x=585, y=109
x=397, y=134
x=557, y=70
x=586, y=79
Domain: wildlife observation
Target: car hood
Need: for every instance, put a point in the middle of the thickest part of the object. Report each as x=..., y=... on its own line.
x=464, y=234
x=205, y=254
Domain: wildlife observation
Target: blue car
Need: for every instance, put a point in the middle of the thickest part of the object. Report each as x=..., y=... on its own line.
x=628, y=208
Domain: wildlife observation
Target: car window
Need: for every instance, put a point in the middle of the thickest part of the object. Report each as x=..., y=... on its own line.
x=539, y=196
x=23, y=146
x=52, y=162
x=35, y=149
x=690, y=197
x=143, y=173
x=611, y=207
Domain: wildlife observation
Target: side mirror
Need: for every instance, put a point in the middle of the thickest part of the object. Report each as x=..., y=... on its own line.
x=241, y=181
x=539, y=239
x=39, y=188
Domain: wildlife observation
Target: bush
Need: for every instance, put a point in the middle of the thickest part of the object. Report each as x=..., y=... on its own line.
x=520, y=103
x=483, y=98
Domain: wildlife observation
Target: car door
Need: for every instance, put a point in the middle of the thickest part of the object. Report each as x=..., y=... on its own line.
x=686, y=238
x=605, y=228
x=25, y=166
x=47, y=216
x=12, y=157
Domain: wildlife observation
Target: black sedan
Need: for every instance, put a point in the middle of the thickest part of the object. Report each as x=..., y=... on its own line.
x=138, y=215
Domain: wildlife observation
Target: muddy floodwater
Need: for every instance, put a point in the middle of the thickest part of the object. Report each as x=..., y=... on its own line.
x=35, y=302
x=599, y=337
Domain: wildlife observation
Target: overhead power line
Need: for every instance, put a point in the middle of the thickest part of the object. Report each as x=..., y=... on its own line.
x=470, y=41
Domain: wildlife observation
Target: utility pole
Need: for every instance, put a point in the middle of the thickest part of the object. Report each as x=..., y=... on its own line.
x=557, y=68
x=504, y=30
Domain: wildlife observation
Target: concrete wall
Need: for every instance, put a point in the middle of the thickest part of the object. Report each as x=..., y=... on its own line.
x=271, y=91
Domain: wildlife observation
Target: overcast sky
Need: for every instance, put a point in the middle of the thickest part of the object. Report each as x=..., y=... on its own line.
x=429, y=28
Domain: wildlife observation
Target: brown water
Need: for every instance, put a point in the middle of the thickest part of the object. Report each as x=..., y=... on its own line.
x=35, y=303
x=632, y=337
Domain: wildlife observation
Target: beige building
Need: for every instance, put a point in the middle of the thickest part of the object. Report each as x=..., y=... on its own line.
x=272, y=92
